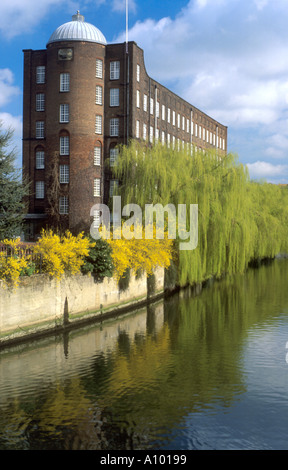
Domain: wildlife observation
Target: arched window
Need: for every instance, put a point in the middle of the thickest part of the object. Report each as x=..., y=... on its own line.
x=97, y=153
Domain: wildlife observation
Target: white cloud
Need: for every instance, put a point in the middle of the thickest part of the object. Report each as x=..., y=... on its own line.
x=14, y=123
x=267, y=171
x=261, y=3
x=18, y=16
x=235, y=69
x=217, y=61
x=120, y=5
x=7, y=89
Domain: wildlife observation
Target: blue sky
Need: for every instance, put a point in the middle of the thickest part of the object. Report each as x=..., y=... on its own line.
x=229, y=58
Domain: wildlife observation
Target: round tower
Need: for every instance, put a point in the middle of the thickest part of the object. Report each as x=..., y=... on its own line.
x=75, y=121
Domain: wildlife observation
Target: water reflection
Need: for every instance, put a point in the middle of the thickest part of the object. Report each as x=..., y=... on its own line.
x=170, y=376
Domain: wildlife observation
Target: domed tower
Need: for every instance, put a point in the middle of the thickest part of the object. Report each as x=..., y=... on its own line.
x=64, y=125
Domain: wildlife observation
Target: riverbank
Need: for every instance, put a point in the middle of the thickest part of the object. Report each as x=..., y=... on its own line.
x=41, y=305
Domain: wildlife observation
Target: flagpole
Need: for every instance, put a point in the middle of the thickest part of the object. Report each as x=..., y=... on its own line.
x=126, y=26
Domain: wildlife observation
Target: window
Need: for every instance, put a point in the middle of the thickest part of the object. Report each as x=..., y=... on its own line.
x=174, y=118
x=97, y=183
x=145, y=102
x=64, y=145
x=137, y=129
x=144, y=131
x=114, y=127
x=39, y=129
x=113, y=156
x=99, y=68
x=40, y=102
x=39, y=190
x=63, y=205
x=138, y=99
x=114, y=97
x=96, y=218
x=168, y=140
x=178, y=120
x=98, y=95
x=188, y=125
x=113, y=187
x=163, y=112
x=183, y=123
x=40, y=160
x=138, y=73
x=64, y=112
x=98, y=125
x=40, y=74
x=151, y=134
x=114, y=70
x=151, y=106
x=163, y=137
x=97, y=155
x=64, y=82
x=64, y=173
x=203, y=135
x=168, y=115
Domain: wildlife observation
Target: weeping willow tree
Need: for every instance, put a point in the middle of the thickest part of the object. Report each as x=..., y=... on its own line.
x=238, y=220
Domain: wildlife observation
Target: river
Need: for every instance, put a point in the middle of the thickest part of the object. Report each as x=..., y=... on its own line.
x=202, y=372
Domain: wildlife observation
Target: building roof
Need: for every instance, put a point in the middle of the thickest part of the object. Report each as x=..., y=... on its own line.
x=77, y=30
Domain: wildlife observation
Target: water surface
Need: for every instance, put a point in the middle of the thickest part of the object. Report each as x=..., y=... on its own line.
x=193, y=372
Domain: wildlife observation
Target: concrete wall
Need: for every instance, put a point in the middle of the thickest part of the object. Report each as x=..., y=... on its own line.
x=40, y=303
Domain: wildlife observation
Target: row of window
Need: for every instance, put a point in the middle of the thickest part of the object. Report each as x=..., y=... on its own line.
x=64, y=150
x=63, y=110
x=63, y=200
x=65, y=77
x=207, y=136
x=166, y=115
x=113, y=126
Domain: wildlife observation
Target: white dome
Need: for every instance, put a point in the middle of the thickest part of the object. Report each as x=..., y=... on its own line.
x=77, y=30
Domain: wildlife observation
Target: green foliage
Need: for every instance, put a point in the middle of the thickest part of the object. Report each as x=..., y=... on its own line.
x=238, y=220
x=12, y=190
x=99, y=261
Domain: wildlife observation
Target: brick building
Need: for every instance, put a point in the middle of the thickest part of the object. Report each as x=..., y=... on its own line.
x=81, y=98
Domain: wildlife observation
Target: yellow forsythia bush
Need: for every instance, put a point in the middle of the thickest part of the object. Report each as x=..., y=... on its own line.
x=62, y=253
x=140, y=253
x=12, y=265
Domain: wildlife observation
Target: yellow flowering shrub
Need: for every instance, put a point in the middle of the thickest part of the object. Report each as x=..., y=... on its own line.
x=62, y=253
x=13, y=262
x=139, y=253
x=11, y=268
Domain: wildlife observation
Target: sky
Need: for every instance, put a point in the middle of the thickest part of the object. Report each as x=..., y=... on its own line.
x=229, y=58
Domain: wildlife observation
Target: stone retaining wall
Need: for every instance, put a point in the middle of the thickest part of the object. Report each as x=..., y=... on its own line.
x=40, y=303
